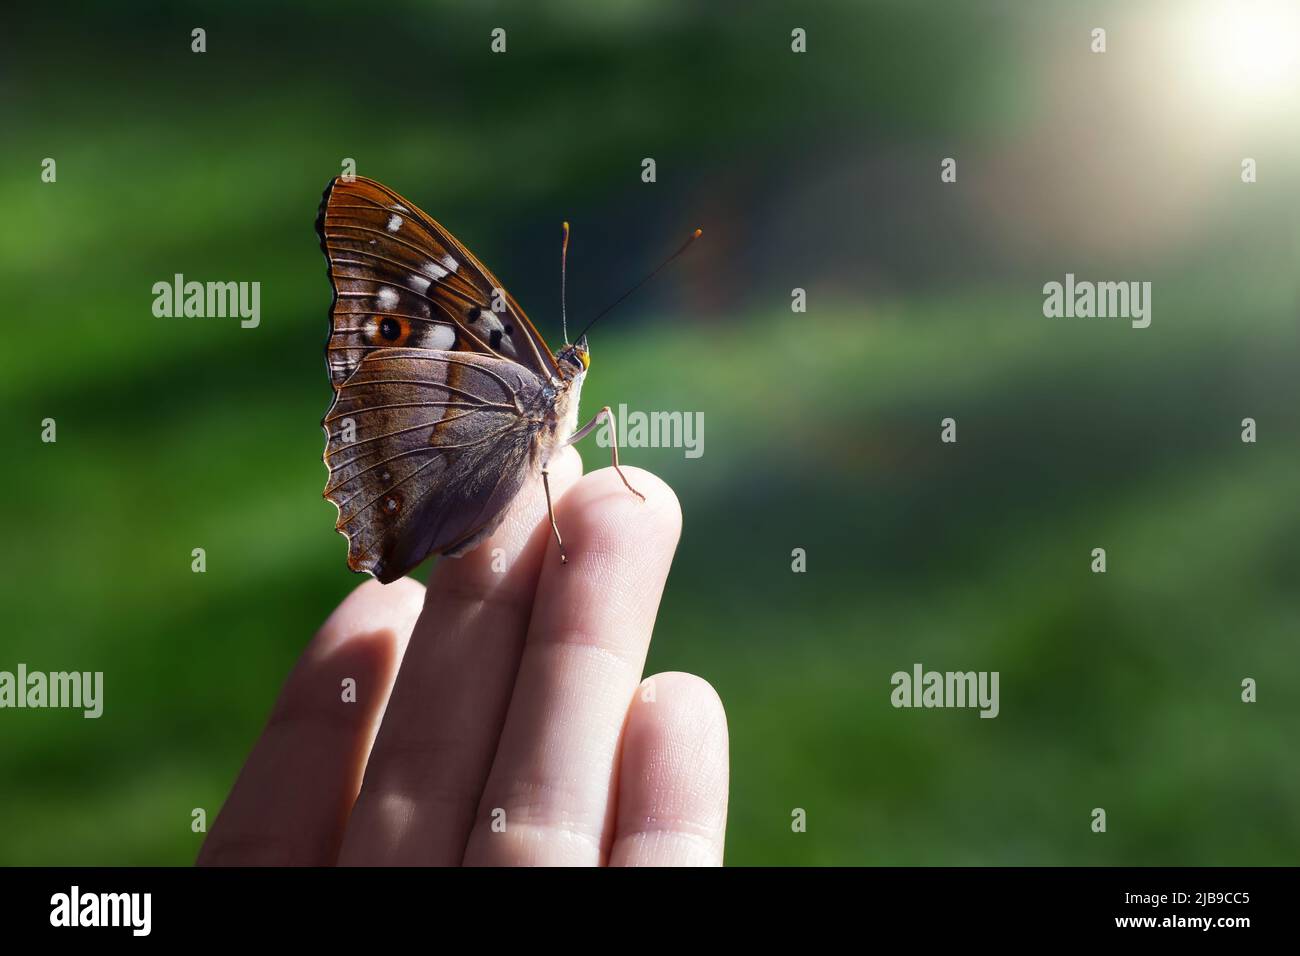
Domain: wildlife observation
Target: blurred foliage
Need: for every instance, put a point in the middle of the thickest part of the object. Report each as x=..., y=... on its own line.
x=819, y=171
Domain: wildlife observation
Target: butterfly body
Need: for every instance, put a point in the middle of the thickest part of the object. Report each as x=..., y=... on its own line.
x=446, y=398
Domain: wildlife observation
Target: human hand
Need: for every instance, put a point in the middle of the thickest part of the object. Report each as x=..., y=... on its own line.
x=497, y=717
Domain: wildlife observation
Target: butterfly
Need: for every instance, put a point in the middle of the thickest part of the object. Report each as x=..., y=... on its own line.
x=446, y=398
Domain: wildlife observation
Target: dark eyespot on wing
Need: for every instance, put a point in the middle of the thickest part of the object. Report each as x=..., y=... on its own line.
x=389, y=258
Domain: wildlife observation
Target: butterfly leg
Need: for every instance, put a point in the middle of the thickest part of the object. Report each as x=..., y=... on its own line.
x=590, y=427
x=550, y=510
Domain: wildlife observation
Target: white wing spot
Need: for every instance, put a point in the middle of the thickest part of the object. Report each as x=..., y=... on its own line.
x=420, y=284
x=442, y=337
x=394, y=223
x=435, y=270
x=450, y=263
x=387, y=297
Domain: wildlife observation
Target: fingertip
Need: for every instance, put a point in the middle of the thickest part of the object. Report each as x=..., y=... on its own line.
x=673, y=776
x=602, y=512
x=673, y=704
x=373, y=593
x=566, y=466
x=371, y=607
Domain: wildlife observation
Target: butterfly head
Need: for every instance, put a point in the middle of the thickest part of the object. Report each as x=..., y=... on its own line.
x=575, y=359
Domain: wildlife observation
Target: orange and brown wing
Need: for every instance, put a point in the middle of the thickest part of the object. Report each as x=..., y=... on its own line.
x=402, y=281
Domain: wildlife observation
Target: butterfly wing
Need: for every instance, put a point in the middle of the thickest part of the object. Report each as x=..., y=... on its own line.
x=426, y=449
x=402, y=281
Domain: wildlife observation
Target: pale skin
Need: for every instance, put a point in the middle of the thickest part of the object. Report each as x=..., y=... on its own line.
x=603, y=415
x=500, y=716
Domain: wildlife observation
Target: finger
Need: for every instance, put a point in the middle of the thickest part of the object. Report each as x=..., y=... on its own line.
x=552, y=779
x=291, y=800
x=672, y=778
x=434, y=750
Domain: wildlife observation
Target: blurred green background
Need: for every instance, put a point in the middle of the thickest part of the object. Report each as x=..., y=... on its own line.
x=818, y=171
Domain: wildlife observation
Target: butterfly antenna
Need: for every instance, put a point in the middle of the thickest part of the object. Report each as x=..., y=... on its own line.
x=628, y=294
x=564, y=269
